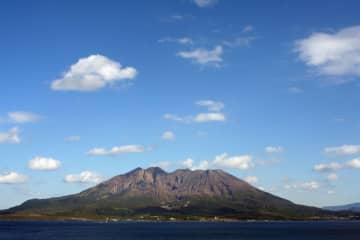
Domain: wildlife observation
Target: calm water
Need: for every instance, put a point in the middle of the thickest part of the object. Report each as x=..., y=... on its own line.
x=133, y=230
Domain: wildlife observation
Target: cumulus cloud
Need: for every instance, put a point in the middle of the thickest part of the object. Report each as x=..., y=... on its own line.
x=328, y=167
x=205, y=3
x=188, y=163
x=118, y=150
x=43, y=163
x=12, y=136
x=84, y=177
x=251, y=179
x=239, y=162
x=93, y=73
x=355, y=163
x=272, y=149
x=23, y=117
x=211, y=105
x=12, y=177
x=204, y=56
x=333, y=54
x=168, y=136
x=73, y=138
x=343, y=150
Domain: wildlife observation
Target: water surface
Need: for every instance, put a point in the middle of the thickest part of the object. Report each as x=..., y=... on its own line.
x=180, y=230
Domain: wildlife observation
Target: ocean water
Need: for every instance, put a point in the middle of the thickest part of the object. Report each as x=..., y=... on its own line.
x=180, y=230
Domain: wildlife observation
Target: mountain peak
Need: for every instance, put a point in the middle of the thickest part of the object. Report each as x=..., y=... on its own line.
x=185, y=192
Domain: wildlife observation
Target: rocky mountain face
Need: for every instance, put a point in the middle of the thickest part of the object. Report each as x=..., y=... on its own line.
x=183, y=194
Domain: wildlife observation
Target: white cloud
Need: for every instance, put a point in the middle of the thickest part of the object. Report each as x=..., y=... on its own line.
x=355, y=163
x=239, y=162
x=204, y=56
x=203, y=165
x=310, y=186
x=43, y=163
x=73, y=138
x=332, y=177
x=199, y=118
x=184, y=40
x=343, y=150
x=12, y=177
x=209, y=117
x=248, y=28
x=333, y=54
x=168, y=135
x=23, y=117
x=12, y=136
x=295, y=90
x=313, y=185
x=330, y=192
x=92, y=73
x=163, y=164
x=329, y=167
x=177, y=118
x=211, y=105
x=239, y=42
x=251, y=179
x=118, y=150
x=188, y=163
x=205, y=3
x=272, y=149
x=83, y=177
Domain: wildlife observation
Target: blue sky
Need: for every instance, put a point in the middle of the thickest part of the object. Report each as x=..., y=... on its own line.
x=267, y=91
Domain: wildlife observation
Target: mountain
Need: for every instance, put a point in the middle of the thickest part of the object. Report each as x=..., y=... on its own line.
x=354, y=207
x=155, y=194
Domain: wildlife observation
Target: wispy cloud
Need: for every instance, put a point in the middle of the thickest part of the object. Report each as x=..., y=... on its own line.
x=295, y=90
x=342, y=150
x=183, y=40
x=23, y=117
x=274, y=149
x=328, y=167
x=211, y=105
x=204, y=56
x=205, y=3
x=12, y=136
x=93, y=73
x=213, y=116
x=73, y=138
x=309, y=186
x=114, y=151
x=199, y=118
x=84, y=177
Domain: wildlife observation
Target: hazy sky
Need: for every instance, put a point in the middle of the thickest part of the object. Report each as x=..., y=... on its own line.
x=266, y=90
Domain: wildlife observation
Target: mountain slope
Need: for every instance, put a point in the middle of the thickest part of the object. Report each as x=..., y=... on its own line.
x=185, y=194
x=354, y=207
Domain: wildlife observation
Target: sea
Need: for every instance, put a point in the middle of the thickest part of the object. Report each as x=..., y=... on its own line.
x=24, y=230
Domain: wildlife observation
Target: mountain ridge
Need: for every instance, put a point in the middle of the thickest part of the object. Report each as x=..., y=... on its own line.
x=153, y=193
